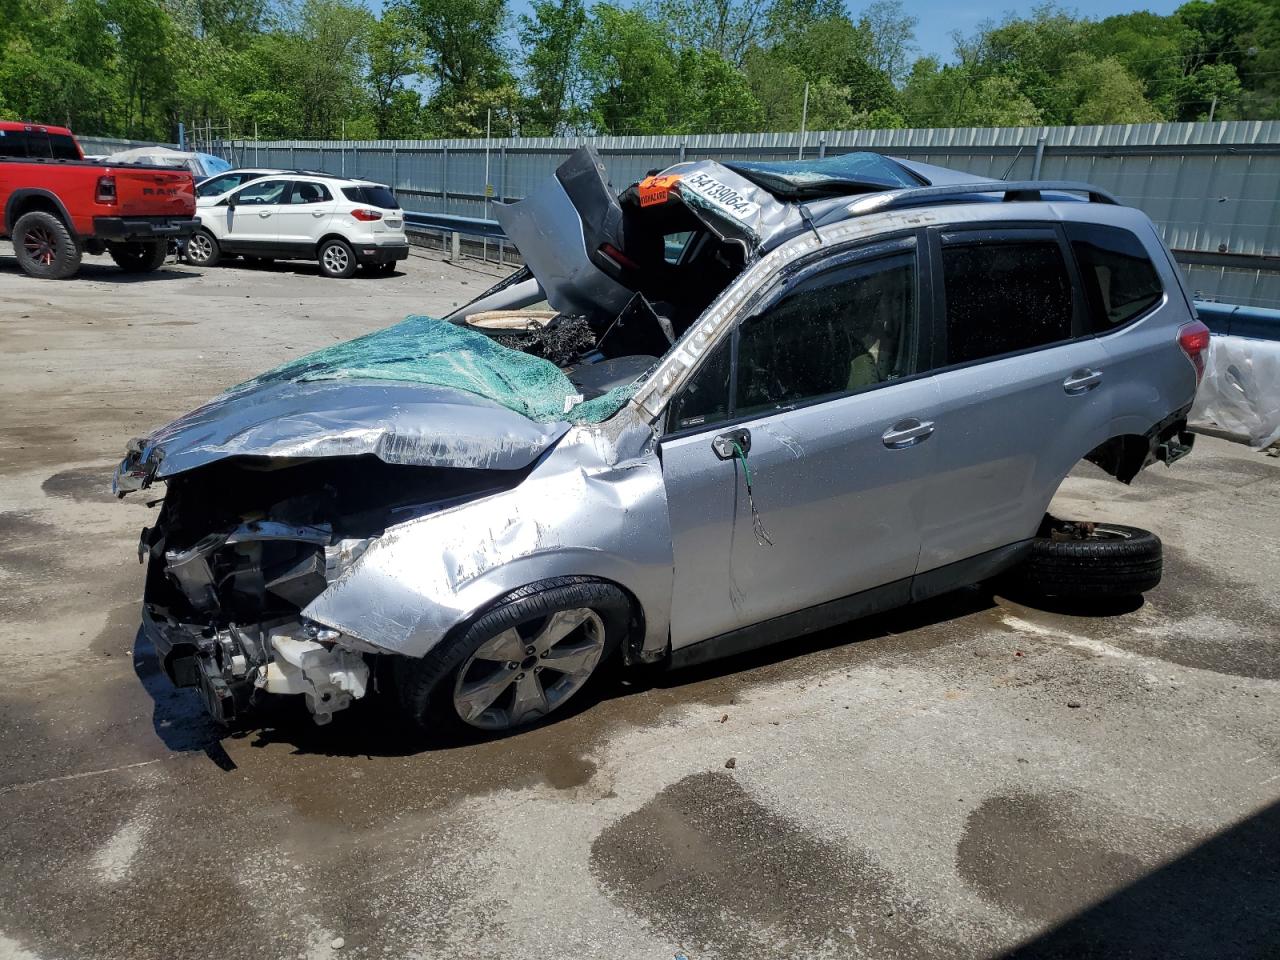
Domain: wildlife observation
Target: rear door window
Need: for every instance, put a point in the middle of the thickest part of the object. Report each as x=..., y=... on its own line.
x=1120, y=281
x=1004, y=293
x=307, y=192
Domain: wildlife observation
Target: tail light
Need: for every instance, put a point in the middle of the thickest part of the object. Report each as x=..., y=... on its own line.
x=365, y=215
x=1193, y=338
x=617, y=257
x=106, y=192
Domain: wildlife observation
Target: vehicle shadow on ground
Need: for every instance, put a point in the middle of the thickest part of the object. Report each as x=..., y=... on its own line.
x=1218, y=899
x=107, y=273
x=301, y=268
x=375, y=727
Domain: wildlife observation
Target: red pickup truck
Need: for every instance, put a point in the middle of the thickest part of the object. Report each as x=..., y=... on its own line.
x=57, y=206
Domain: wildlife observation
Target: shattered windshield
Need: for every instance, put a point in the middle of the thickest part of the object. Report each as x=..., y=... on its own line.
x=436, y=352
x=861, y=172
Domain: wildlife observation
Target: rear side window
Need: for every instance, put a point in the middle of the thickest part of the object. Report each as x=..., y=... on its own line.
x=373, y=195
x=1004, y=296
x=1120, y=282
x=63, y=147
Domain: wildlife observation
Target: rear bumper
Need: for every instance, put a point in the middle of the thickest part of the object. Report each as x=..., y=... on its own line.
x=370, y=253
x=143, y=228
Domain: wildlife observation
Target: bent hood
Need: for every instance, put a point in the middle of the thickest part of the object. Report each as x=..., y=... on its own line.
x=423, y=392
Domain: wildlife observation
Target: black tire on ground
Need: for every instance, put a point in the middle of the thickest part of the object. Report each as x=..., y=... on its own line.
x=139, y=256
x=45, y=247
x=1091, y=560
x=203, y=249
x=337, y=259
x=425, y=687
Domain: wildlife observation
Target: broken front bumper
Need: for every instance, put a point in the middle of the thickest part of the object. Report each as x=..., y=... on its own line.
x=231, y=666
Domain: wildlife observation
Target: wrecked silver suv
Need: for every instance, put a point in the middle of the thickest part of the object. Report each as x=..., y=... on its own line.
x=760, y=398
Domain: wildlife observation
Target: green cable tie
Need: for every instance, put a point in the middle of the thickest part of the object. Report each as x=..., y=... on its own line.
x=743, y=457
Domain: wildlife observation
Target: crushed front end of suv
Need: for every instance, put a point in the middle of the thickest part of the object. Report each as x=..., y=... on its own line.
x=731, y=404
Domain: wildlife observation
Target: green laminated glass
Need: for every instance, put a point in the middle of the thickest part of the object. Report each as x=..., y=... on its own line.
x=435, y=352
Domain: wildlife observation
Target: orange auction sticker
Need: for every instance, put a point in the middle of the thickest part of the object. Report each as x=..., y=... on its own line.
x=655, y=190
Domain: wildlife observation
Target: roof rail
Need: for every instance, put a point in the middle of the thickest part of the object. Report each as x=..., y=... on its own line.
x=1015, y=190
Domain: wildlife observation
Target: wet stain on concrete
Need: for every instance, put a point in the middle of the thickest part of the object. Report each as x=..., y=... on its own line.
x=1237, y=635
x=1032, y=855
x=88, y=484
x=718, y=871
x=27, y=555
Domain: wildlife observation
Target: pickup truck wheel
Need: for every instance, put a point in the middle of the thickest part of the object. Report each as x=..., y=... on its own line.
x=202, y=249
x=139, y=256
x=1090, y=560
x=519, y=661
x=45, y=247
x=337, y=259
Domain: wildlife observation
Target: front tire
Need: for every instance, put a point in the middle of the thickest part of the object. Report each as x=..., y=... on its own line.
x=203, y=249
x=337, y=259
x=139, y=256
x=518, y=662
x=1091, y=560
x=45, y=247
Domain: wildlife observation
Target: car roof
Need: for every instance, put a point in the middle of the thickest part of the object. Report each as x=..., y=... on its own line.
x=8, y=125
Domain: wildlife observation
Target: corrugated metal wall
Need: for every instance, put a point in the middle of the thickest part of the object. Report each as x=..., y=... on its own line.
x=1212, y=189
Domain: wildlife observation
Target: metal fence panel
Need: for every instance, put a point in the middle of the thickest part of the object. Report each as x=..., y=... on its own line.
x=1210, y=188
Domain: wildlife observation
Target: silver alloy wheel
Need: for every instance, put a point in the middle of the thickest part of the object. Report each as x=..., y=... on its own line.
x=335, y=258
x=512, y=679
x=199, y=247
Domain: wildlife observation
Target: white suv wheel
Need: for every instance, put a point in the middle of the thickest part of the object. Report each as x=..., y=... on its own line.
x=337, y=259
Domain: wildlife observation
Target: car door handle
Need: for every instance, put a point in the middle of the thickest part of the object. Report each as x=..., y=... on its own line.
x=907, y=433
x=264, y=214
x=317, y=213
x=1082, y=381
x=726, y=445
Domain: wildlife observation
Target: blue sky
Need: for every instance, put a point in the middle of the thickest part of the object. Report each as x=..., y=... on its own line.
x=938, y=19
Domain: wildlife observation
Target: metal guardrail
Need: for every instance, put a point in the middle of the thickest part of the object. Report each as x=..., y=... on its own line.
x=447, y=223
x=1223, y=319
x=1230, y=319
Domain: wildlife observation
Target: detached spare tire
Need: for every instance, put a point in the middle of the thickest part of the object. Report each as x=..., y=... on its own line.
x=1078, y=559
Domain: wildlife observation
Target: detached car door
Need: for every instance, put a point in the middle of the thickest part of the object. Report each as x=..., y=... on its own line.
x=252, y=224
x=821, y=398
x=1022, y=384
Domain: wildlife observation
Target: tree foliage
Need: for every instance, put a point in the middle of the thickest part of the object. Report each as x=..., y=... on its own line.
x=425, y=68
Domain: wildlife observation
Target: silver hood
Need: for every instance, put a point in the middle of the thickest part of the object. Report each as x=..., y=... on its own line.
x=399, y=423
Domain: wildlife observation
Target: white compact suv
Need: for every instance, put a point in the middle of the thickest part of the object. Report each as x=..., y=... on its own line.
x=341, y=223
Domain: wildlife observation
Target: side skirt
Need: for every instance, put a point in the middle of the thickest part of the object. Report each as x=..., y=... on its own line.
x=922, y=586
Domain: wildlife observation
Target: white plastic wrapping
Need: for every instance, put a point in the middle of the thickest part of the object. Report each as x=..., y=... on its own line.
x=1241, y=389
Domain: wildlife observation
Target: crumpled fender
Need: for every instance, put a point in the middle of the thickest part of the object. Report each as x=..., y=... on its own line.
x=585, y=510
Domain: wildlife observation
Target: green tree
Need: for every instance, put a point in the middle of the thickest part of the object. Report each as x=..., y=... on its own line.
x=891, y=32
x=727, y=28
x=462, y=40
x=631, y=71
x=395, y=57
x=551, y=39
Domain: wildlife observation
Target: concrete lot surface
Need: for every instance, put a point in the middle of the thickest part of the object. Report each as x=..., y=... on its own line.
x=967, y=778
